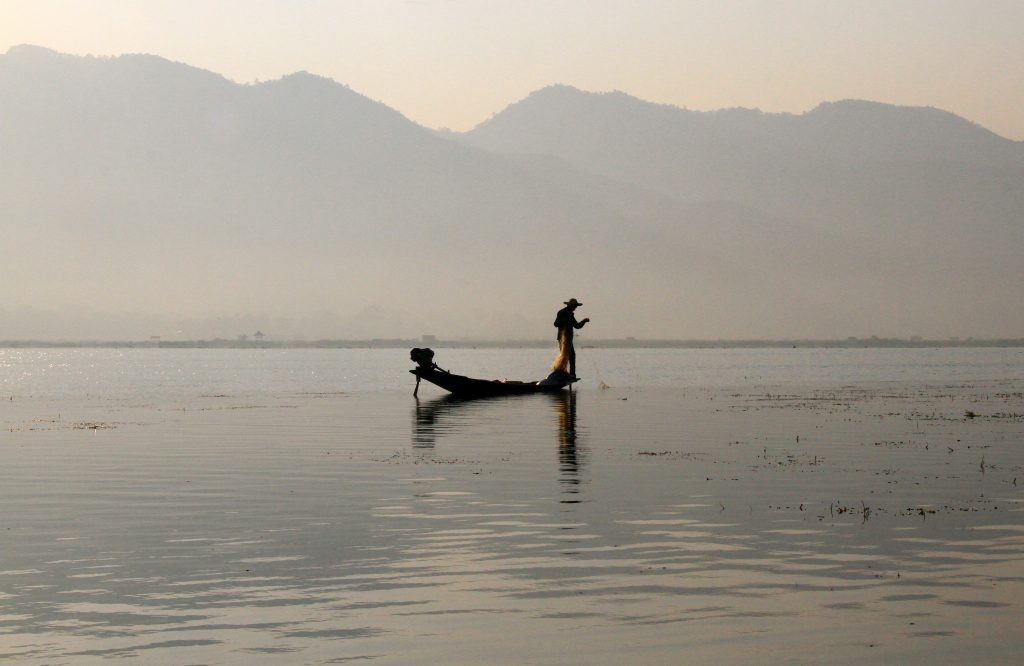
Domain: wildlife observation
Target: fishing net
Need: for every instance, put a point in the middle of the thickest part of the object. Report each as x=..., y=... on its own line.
x=561, y=363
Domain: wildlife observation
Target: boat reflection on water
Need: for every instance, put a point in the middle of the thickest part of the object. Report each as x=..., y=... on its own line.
x=425, y=421
x=445, y=415
x=569, y=460
x=448, y=414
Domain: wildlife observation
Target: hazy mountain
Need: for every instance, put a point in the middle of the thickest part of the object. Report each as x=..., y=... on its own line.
x=625, y=137
x=134, y=184
x=929, y=203
x=144, y=197
x=856, y=165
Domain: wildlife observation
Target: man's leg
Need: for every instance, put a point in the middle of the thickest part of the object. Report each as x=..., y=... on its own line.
x=572, y=360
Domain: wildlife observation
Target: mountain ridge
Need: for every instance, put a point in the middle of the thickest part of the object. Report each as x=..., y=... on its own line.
x=896, y=127
x=139, y=190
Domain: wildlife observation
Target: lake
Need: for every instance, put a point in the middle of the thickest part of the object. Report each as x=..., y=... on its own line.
x=167, y=506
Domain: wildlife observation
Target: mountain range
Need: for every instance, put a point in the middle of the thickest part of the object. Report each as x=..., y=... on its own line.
x=143, y=197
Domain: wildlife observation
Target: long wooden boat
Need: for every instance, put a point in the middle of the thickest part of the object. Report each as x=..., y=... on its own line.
x=468, y=387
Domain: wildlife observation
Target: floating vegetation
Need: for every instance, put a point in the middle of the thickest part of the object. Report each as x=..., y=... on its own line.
x=684, y=455
x=94, y=425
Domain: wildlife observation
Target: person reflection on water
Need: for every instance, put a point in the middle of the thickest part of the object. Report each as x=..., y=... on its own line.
x=565, y=322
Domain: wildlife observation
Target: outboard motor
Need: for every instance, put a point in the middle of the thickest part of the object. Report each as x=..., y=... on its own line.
x=424, y=358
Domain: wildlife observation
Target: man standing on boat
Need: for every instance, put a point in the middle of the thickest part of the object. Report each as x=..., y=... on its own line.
x=565, y=322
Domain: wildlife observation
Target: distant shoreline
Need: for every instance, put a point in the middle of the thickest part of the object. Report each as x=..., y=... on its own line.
x=627, y=343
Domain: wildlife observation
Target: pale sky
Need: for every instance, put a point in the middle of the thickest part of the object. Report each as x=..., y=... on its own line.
x=454, y=63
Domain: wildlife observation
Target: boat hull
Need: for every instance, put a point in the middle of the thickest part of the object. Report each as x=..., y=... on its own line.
x=468, y=387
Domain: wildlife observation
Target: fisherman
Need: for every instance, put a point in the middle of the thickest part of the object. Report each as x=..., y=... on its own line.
x=565, y=322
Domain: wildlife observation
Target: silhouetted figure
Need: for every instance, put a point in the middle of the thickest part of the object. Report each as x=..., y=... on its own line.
x=565, y=322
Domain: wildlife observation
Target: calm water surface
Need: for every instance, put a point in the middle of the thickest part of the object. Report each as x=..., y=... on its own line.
x=297, y=506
